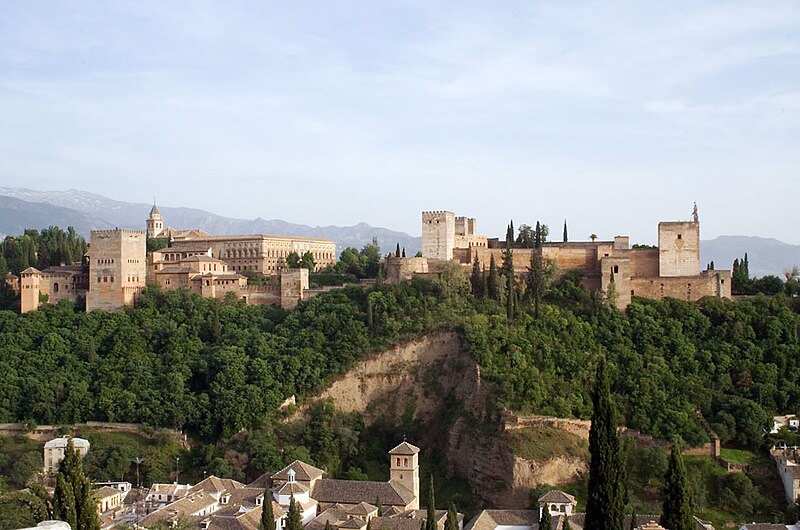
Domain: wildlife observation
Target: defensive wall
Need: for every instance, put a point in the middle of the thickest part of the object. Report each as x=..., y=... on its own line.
x=670, y=270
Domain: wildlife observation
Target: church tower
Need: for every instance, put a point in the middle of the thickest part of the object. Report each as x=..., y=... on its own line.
x=154, y=223
x=404, y=469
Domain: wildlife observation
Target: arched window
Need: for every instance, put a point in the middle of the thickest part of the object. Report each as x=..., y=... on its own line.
x=616, y=269
x=55, y=287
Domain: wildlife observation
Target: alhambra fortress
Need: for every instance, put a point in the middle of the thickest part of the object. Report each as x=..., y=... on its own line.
x=670, y=270
x=117, y=266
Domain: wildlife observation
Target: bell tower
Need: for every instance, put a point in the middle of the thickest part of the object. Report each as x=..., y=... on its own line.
x=154, y=222
x=404, y=469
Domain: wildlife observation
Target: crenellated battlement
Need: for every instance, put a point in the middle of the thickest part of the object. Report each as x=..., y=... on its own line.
x=117, y=231
x=435, y=213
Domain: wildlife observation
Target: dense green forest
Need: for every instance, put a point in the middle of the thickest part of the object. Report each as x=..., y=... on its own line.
x=214, y=368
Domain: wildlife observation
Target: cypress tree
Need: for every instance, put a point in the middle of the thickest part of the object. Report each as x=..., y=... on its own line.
x=476, y=279
x=404, y=252
x=632, y=526
x=510, y=235
x=451, y=523
x=676, y=513
x=565, y=231
x=397, y=251
x=379, y=506
x=606, y=496
x=493, y=283
x=484, y=283
x=546, y=520
x=430, y=522
x=294, y=519
x=537, y=236
x=370, y=315
x=566, y=525
x=328, y=525
x=73, y=500
x=267, y=516
x=508, y=271
x=64, y=502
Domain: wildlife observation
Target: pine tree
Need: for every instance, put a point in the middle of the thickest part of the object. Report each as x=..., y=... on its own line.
x=546, y=520
x=267, y=516
x=397, y=251
x=73, y=500
x=565, y=231
x=606, y=496
x=676, y=513
x=294, y=519
x=494, y=281
x=451, y=523
x=430, y=522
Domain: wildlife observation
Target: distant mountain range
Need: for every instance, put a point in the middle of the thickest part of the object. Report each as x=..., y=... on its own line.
x=22, y=208
x=764, y=255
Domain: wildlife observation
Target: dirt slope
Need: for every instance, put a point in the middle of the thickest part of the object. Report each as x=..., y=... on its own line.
x=414, y=381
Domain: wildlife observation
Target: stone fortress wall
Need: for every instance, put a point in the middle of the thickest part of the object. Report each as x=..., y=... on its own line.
x=670, y=270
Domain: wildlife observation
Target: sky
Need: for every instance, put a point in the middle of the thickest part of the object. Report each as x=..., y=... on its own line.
x=611, y=115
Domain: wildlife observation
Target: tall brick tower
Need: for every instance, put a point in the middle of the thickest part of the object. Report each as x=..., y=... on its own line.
x=117, y=268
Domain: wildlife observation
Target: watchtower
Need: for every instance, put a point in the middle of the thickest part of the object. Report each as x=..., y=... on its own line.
x=29, y=287
x=117, y=268
x=438, y=235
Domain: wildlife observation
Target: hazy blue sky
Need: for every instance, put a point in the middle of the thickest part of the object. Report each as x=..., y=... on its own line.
x=614, y=115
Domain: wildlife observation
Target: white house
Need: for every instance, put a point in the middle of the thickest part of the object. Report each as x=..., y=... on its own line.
x=54, y=451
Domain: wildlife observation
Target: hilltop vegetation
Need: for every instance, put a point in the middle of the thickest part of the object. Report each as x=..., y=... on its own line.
x=213, y=368
x=220, y=370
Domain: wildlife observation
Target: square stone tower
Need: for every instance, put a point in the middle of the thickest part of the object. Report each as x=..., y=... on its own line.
x=678, y=248
x=438, y=235
x=404, y=469
x=29, y=288
x=117, y=268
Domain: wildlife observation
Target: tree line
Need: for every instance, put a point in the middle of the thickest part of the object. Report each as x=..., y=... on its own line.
x=51, y=246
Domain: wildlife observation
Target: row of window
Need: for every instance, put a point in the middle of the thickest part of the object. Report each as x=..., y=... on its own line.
x=105, y=279
x=105, y=261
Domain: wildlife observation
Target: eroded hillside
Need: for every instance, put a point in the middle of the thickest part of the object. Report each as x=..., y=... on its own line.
x=435, y=382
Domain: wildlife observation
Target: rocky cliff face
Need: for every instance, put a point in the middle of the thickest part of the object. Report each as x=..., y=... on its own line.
x=435, y=381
